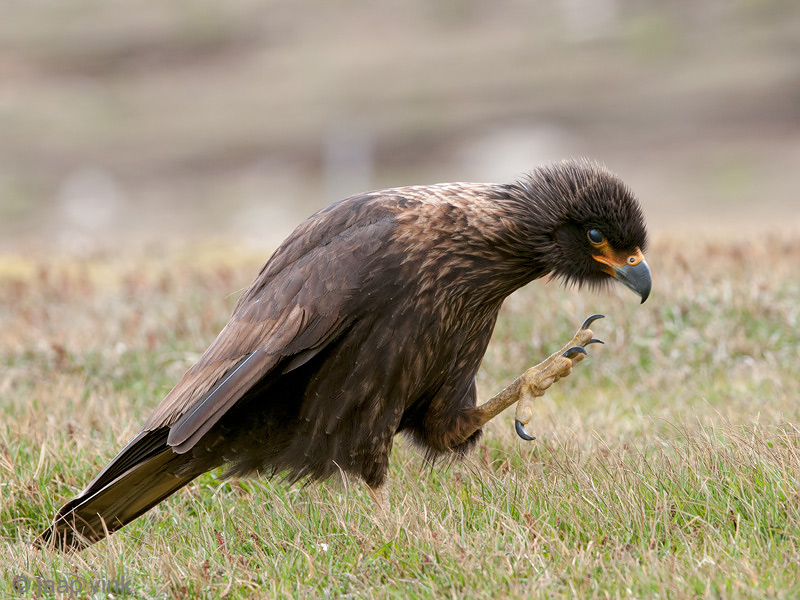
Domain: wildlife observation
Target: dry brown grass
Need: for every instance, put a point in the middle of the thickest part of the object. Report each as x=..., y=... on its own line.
x=667, y=465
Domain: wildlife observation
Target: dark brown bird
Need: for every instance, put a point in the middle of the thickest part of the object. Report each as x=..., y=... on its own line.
x=371, y=319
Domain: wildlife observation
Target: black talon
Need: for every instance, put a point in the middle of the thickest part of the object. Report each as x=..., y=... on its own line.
x=591, y=320
x=574, y=351
x=521, y=431
x=594, y=341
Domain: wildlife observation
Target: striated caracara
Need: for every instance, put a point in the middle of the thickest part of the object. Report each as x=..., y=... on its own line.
x=371, y=319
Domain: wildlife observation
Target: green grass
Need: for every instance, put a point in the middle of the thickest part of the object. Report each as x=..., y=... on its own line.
x=667, y=465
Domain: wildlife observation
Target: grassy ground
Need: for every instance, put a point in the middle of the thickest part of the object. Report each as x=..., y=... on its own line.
x=667, y=465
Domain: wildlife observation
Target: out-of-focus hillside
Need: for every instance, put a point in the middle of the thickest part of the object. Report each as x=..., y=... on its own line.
x=188, y=118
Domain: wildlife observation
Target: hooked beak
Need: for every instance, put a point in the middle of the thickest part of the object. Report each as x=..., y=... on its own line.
x=636, y=277
x=631, y=270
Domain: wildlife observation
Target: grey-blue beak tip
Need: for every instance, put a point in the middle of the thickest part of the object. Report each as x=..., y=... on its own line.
x=636, y=278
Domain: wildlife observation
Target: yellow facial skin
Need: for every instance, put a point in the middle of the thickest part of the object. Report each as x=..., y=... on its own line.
x=612, y=261
x=629, y=268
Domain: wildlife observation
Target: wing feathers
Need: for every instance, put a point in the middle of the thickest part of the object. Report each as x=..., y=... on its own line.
x=209, y=409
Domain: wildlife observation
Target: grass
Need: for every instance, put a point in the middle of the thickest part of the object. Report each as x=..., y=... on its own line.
x=667, y=465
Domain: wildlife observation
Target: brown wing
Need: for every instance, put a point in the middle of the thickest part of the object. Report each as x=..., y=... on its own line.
x=306, y=295
x=304, y=298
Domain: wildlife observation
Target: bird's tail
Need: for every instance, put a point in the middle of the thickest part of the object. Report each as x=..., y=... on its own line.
x=143, y=474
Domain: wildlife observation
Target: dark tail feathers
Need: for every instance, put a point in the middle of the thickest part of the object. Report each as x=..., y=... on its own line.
x=143, y=474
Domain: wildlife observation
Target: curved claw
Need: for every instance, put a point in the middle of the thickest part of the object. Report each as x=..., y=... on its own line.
x=591, y=320
x=521, y=431
x=574, y=351
x=594, y=341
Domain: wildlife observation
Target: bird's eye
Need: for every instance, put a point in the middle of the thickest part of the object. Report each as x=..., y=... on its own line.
x=595, y=237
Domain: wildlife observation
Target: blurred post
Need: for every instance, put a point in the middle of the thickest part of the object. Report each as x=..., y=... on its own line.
x=347, y=160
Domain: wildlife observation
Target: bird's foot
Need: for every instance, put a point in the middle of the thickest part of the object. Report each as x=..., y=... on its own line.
x=379, y=496
x=536, y=380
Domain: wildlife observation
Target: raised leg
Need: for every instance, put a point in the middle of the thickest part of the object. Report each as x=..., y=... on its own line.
x=535, y=381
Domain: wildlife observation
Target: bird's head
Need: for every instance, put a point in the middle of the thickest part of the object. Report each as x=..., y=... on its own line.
x=591, y=225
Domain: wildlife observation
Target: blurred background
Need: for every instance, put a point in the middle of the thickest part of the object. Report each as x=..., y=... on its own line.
x=128, y=122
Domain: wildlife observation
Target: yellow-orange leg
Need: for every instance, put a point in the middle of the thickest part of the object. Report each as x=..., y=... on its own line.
x=535, y=381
